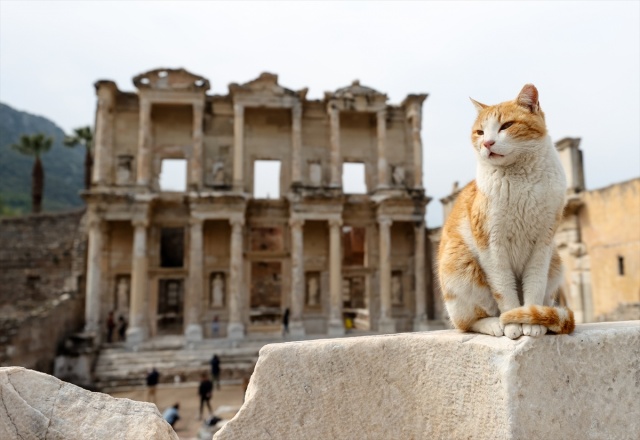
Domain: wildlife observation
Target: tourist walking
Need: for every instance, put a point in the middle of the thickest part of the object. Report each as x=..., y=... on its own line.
x=152, y=381
x=111, y=325
x=205, y=391
x=215, y=371
x=122, y=328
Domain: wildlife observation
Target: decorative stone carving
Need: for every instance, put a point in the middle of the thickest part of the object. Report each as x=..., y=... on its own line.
x=313, y=290
x=217, y=289
x=124, y=172
x=398, y=175
x=315, y=173
x=123, y=285
x=396, y=289
x=218, y=173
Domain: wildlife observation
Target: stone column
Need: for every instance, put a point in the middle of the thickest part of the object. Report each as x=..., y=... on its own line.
x=416, y=127
x=296, y=142
x=336, y=157
x=138, y=315
x=386, y=324
x=336, y=323
x=235, y=328
x=94, y=276
x=103, y=134
x=420, y=321
x=197, y=159
x=238, y=147
x=144, y=144
x=296, y=326
x=193, y=300
x=383, y=166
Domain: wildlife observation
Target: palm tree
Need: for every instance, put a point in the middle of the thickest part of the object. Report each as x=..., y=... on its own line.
x=83, y=136
x=35, y=145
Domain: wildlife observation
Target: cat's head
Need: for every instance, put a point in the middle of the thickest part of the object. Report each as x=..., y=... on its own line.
x=504, y=132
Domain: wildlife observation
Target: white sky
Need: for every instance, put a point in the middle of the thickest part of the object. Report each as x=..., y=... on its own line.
x=584, y=57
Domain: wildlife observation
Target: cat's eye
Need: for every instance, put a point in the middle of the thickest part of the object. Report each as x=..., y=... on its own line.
x=479, y=132
x=506, y=125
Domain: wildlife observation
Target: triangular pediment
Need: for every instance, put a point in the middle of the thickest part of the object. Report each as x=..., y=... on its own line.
x=171, y=79
x=266, y=85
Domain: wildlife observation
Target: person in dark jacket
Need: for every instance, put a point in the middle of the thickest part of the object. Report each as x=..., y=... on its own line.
x=152, y=380
x=205, y=390
x=215, y=370
x=285, y=322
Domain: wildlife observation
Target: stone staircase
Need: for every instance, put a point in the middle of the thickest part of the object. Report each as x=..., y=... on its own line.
x=119, y=367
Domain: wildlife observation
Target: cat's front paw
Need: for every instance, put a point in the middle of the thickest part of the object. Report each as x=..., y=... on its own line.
x=513, y=331
x=533, y=330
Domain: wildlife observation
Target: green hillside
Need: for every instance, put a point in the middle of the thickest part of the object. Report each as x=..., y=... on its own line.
x=63, y=166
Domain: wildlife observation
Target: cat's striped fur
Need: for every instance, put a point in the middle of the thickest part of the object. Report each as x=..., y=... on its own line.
x=498, y=266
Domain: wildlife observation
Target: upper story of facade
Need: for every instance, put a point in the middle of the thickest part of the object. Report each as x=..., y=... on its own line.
x=220, y=139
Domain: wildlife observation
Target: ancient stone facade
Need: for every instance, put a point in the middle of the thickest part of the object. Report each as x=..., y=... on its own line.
x=598, y=240
x=171, y=261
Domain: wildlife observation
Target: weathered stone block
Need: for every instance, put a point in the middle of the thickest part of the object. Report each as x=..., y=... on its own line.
x=447, y=385
x=37, y=406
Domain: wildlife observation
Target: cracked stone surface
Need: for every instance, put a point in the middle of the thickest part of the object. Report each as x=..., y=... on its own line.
x=447, y=385
x=35, y=405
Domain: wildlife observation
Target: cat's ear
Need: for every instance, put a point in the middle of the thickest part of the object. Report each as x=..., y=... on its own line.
x=478, y=105
x=528, y=98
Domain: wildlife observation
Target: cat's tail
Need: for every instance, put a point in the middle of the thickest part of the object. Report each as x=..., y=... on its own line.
x=557, y=319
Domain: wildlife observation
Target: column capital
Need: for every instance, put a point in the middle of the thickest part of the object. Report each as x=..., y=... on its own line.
x=238, y=109
x=335, y=222
x=385, y=221
x=236, y=221
x=296, y=222
x=137, y=222
x=196, y=221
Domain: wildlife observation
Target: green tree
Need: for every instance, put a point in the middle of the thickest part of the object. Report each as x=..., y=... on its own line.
x=35, y=145
x=83, y=136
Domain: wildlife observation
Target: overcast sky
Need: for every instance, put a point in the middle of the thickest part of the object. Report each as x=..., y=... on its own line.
x=584, y=57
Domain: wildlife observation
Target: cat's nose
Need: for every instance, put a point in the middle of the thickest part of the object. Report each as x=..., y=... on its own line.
x=488, y=144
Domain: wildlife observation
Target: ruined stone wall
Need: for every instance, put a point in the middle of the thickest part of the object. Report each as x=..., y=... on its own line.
x=31, y=339
x=38, y=256
x=42, y=259
x=610, y=227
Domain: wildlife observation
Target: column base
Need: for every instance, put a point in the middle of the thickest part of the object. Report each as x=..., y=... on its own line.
x=193, y=333
x=296, y=329
x=386, y=325
x=335, y=328
x=135, y=336
x=235, y=330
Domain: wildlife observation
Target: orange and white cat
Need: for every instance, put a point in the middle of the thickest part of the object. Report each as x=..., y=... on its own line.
x=498, y=264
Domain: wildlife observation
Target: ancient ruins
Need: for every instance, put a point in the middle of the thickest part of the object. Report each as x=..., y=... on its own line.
x=171, y=260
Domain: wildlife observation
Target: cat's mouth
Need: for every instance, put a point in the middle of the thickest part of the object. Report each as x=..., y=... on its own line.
x=495, y=155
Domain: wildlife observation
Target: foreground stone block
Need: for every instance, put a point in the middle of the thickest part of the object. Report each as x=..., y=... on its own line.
x=34, y=405
x=447, y=385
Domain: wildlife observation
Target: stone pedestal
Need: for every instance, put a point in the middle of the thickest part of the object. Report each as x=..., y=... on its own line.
x=447, y=385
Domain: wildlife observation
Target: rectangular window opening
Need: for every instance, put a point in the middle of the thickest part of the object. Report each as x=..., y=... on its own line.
x=266, y=179
x=353, y=245
x=353, y=178
x=173, y=175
